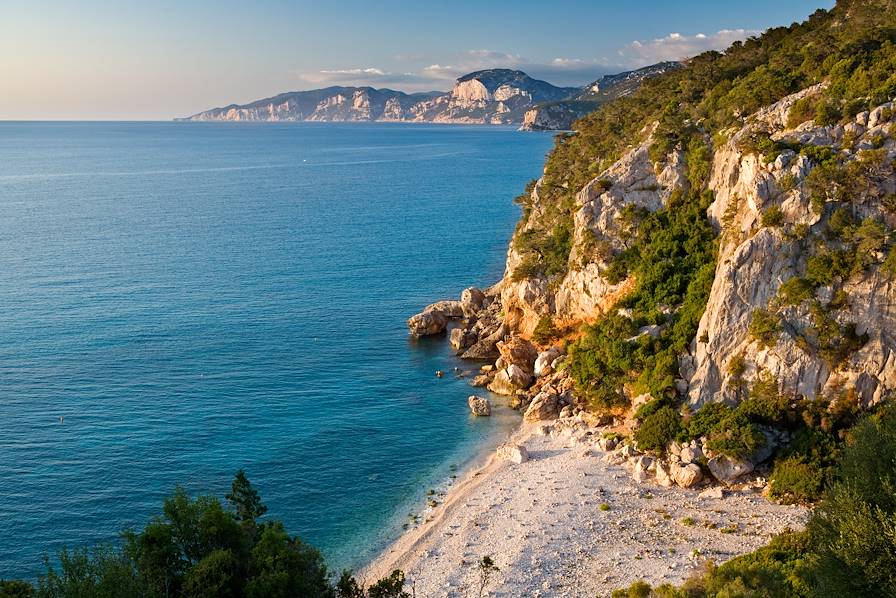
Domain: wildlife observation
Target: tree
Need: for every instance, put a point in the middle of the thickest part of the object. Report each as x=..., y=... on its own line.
x=245, y=498
x=853, y=530
x=487, y=569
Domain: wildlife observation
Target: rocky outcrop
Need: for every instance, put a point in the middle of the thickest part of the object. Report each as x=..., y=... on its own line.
x=427, y=323
x=584, y=293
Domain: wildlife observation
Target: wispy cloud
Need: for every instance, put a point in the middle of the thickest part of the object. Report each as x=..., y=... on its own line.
x=441, y=75
x=676, y=46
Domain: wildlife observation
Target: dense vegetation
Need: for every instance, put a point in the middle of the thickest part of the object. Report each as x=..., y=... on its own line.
x=848, y=549
x=201, y=548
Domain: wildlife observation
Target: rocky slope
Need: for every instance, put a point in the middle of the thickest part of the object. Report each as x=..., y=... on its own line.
x=555, y=116
x=495, y=96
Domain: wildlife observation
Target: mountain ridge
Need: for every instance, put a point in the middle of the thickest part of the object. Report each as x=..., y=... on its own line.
x=490, y=96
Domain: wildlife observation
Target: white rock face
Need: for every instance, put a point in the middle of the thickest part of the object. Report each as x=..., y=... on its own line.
x=470, y=93
x=754, y=262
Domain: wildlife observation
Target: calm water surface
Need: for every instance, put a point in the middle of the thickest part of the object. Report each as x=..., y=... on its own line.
x=197, y=298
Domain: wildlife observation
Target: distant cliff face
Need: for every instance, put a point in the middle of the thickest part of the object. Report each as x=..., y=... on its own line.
x=495, y=96
x=560, y=115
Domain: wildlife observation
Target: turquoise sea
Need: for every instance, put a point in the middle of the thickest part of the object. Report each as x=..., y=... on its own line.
x=180, y=300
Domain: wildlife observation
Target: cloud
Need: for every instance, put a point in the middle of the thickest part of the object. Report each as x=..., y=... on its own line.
x=676, y=46
x=561, y=70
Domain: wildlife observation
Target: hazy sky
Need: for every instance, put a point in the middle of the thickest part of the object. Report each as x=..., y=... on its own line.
x=123, y=59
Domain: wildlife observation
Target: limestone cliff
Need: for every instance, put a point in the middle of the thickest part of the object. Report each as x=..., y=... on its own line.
x=495, y=96
x=839, y=336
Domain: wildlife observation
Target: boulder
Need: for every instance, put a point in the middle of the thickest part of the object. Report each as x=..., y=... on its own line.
x=519, y=352
x=629, y=451
x=643, y=465
x=606, y=444
x=486, y=347
x=716, y=492
x=515, y=453
x=472, y=300
x=427, y=323
x=544, y=362
x=481, y=380
x=544, y=406
x=509, y=380
x=690, y=454
x=461, y=338
x=479, y=406
x=662, y=475
x=727, y=470
x=686, y=476
x=448, y=308
x=566, y=412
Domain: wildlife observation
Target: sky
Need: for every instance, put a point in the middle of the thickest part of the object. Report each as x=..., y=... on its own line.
x=140, y=60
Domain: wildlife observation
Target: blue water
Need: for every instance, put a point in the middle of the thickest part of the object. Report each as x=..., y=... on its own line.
x=197, y=298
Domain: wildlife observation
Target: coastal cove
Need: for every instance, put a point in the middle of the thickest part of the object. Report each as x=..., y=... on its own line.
x=182, y=300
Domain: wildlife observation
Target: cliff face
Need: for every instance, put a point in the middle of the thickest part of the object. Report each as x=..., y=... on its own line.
x=827, y=337
x=496, y=96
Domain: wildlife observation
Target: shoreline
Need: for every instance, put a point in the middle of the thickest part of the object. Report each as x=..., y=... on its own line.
x=572, y=521
x=475, y=472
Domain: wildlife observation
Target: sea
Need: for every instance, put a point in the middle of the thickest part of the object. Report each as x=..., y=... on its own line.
x=182, y=300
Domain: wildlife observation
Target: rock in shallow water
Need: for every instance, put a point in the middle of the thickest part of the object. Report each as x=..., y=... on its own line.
x=427, y=323
x=479, y=406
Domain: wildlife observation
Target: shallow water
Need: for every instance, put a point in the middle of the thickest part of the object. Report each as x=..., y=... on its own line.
x=197, y=298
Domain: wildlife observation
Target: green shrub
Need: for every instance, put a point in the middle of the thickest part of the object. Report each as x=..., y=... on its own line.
x=773, y=216
x=658, y=429
x=765, y=327
x=736, y=436
x=853, y=530
x=765, y=404
x=795, y=290
x=795, y=480
x=706, y=419
x=544, y=331
x=802, y=111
